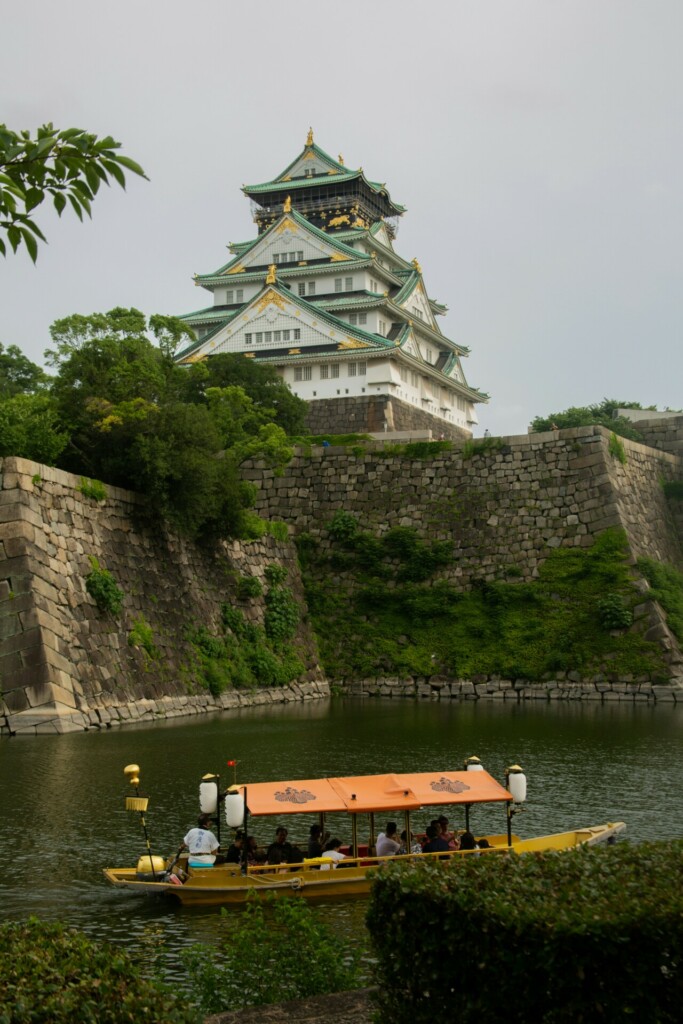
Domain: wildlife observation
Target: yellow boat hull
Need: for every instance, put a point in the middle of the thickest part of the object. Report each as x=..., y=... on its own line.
x=224, y=883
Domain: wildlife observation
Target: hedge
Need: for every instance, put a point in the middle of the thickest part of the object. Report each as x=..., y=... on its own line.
x=592, y=935
x=50, y=974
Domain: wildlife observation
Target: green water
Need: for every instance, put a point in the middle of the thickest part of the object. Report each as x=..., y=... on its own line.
x=62, y=815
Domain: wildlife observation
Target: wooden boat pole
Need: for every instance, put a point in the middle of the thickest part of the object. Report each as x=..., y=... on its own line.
x=245, y=837
x=354, y=834
x=409, y=842
x=371, y=840
x=467, y=817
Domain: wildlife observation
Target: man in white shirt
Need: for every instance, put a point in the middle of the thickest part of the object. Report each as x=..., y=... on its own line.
x=387, y=842
x=333, y=853
x=202, y=844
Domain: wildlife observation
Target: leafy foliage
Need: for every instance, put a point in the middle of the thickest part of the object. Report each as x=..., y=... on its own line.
x=282, y=615
x=390, y=616
x=68, y=165
x=30, y=429
x=616, y=449
x=248, y=587
x=667, y=588
x=257, y=967
x=18, y=375
x=94, y=489
x=593, y=935
x=602, y=413
x=50, y=974
x=343, y=525
x=103, y=589
x=673, y=489
x=142, y=635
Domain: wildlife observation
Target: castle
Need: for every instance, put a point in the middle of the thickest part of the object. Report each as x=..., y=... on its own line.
x=321, y=295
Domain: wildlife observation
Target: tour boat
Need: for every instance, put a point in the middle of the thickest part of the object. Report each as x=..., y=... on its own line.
x=360, y=798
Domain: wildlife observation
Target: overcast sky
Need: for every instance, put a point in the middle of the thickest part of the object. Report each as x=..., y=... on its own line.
x=535, y=143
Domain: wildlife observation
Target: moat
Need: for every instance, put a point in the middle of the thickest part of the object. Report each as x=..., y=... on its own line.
x=62, y=799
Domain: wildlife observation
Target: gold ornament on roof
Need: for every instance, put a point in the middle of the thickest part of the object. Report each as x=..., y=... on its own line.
x=309, y=137
x=341, y=159
x=272, y=274
x=416, y=265
x=287, y=207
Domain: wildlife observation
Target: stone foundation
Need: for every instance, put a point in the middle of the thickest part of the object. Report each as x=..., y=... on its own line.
x=373, y=414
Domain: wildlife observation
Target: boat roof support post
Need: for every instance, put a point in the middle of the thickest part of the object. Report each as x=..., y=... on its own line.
x=245, y=837
x=408, y=835
x=467, y=817
x=354, y=834
x=371, y=837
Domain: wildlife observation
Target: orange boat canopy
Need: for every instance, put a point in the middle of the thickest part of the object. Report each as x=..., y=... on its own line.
x=366, y=793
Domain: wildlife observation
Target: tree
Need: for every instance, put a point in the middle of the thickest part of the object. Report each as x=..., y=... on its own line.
x=601, y=414
x=265, y=387
x=123, y=402
x=18, y=375
x=69, y=165
x=29, y=429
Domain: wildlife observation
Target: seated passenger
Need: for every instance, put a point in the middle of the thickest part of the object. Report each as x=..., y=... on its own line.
x=316, y=841
x=387, y=842
x=442, y=822
x=434, y=844
x=468, y=842
x=406, y=847
x=333, y=853
x=279, y=844
x=234, y=854
x=202, y=844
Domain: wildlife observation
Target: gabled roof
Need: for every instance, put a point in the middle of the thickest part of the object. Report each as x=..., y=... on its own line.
x=276, y=294
x=331, y=241
x=314, y=151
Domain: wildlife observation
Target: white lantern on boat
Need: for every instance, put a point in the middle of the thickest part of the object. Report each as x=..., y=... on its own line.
x=208, y=794
x=234, y=808
x=516, y=783
x=473, y=764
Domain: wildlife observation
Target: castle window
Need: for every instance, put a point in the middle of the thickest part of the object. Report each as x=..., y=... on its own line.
x=297, y=334
x=239, y=295
x=276, y=336
x=383, y=327
x=285, y=335
x=334, y=371
x=404, y=373
x=362, y=318
x=311, y=288
x=414, y=379
x=353, y=318
x=267, y=337
x=302, y=288
x=348, y=284
x=259, y=337
x=324, y=372
x=276, y=257
x=298, y=373
x=292, y=257
x=228, y=298
x=338, y=284
x=362, y=368
x=300, y=255
x=352, y=369
x=247, y=339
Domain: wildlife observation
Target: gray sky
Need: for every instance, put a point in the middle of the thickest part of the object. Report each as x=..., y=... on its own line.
x=536, y=144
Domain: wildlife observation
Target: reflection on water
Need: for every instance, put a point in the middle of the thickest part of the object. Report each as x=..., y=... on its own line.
x=62, y=815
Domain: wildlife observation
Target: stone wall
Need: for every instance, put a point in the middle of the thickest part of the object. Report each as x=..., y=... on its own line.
x=505, y=504
x=63, y=663
x=373, y=414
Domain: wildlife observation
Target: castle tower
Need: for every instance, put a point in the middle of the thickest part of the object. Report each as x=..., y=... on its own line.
x=322, y=295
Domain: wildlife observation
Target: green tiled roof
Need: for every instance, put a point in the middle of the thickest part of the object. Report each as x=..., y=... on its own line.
x=331, y=240
x=262, y=188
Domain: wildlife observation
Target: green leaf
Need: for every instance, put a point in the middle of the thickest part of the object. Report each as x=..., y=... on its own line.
x=115, y=172
x=76, y=207
x=130, y=164
x=59, y=202
x=30, y=243
x=34, y=197
x=13, y=237
x=3, y=250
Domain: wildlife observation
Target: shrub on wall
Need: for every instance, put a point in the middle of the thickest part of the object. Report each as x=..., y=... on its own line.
x=248, y=587
x=50, y=974
x=102, y=587
x=594, y=935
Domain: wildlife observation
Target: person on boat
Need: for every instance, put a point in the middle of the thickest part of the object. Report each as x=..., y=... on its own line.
x=280, y=846
x=201, y=843
x=435, y=844
x=450, y=837
x=387, y=842
x=411, y=846
x=333, y=853
x=468, y=842
x=234, y=854
x=316, y=841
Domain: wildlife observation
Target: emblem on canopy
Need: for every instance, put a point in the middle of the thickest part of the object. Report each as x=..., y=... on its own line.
x=445, y=785
x=294, y=796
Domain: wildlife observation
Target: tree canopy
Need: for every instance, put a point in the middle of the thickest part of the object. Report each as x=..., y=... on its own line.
x=601, y=413
x=121, y=410
x=68, y=165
